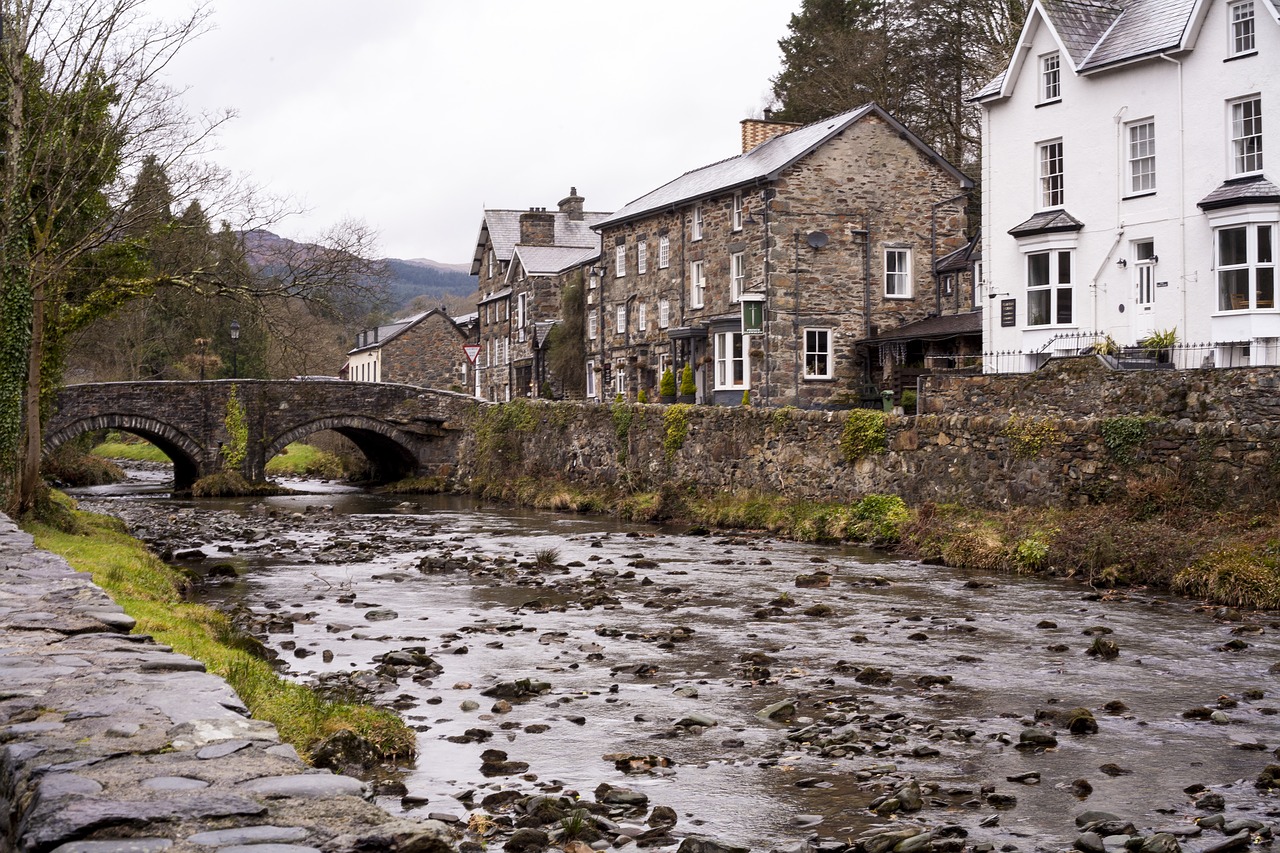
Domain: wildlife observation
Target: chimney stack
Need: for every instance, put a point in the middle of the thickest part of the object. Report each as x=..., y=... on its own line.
x=756, y=131
x=537, y=227
x=572, y=205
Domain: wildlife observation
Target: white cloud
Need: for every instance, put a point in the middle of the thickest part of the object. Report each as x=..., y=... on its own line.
x=414, y=115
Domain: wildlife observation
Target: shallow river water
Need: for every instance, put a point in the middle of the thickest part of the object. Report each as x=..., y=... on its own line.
x=640, y=632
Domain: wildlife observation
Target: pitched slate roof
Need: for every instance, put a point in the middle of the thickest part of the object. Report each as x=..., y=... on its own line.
x=1098, y=34
x=760, y=164
x=550, y=260
x=502, y=227
x=1252, y=190
x=391, y=331
x=933, y=329
x=1044, y=223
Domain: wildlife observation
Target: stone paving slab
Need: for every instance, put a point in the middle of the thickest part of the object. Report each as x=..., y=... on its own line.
x=112, y=743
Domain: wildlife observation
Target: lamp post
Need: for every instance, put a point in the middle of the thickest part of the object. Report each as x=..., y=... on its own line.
x=235, y=345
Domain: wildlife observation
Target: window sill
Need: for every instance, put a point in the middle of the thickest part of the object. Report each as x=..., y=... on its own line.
x=1146, y=194
x=817, y=379
x=899, y=296
x=1048, y=103
x=1241, y=56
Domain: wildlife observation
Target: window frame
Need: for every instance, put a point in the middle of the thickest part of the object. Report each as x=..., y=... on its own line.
x=732, y=362
x=522, y=314
x=1054, y=286
x=664, y=252
x=695, y=228
x=642, y=317
x=620, y=260
x=1051, y=77
x=736, y=216
x=1253, y=265
x=1240, y=132
x=1142, y=181
x=737, y=276
x=664, y=313
x=593, y=325
x=812, y=353
x=1052, y=184
x=620, y=318
x=1242, y=30
x=697, y=284
x=902, y=273
x=642, y=256
x=591, y=379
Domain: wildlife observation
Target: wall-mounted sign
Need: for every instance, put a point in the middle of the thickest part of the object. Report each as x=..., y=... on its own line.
x=1162, y=284
x=471, y=351
x=1008, y=312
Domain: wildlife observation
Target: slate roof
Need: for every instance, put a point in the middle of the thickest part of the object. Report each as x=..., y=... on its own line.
x=395, y=328
x=503, y=229
x=1046, y=222
x=933, y=329
x=1098, y=34
x=761, y=164
x=1252, y=190
x=550, y=260
x=961, y=258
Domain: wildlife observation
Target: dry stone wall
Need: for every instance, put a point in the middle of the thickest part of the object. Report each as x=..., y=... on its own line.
x=1073, y=434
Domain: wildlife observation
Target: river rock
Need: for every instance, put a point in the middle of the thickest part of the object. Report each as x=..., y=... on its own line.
x=1031, y=738
x=381, y=614
x=778, y=710
x=817, y=580
x=1103, y=649
x=1160, y=843
x=526, y=840
x=700, y=844
x=609, y=795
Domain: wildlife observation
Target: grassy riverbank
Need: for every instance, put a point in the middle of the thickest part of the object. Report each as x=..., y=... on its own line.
x=1161, y=535
x=154, y=594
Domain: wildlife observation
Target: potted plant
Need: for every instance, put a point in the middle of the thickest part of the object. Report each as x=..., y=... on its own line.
x=688, y=388
x=667, y=387
x=1160, y=345
x=642, y=396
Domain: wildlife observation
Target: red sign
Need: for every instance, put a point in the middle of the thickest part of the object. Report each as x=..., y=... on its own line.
x=471, y=350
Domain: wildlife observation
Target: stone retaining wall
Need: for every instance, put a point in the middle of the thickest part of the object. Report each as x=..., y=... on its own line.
x=1012, y=441
x=110, y=742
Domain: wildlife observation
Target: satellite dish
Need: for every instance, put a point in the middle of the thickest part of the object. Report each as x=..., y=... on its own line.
x=817, y=239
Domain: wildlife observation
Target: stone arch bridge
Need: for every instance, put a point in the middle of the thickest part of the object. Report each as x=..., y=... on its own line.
x=402, y=430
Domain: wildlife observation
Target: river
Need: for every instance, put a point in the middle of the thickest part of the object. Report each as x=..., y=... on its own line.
x=657, y=643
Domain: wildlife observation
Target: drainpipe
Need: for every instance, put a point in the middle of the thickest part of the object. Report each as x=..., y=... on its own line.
x=795, y=313
x=1182, y=188
x=767, y=195
x=1118, y=118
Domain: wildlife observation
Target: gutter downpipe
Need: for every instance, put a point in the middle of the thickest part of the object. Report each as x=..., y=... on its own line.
x=1182, y=189
x=1118, y=118
x=767, y=196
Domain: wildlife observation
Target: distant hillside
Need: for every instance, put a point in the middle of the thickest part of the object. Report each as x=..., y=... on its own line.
x=406, y=279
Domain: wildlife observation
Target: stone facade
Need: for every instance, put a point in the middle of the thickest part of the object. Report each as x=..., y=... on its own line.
x=428, y=353
x=522, y=261
x=1214, y=429
x=811, y=235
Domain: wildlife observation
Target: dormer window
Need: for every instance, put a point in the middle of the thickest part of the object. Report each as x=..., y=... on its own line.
x=1243, y=39
x=1050, y=78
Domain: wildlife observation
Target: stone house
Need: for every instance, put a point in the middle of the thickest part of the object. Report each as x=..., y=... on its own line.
x=425, y=349
x=523, y=258
x=1124, y=187
x=819, y=237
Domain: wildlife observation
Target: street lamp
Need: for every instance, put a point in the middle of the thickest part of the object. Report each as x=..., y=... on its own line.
x=235, y=344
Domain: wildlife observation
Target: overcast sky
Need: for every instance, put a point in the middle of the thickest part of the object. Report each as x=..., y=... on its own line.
x=415, y=115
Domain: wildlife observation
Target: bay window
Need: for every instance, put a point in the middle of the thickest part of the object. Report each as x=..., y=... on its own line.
x=1049, y=290
x=1246, y=267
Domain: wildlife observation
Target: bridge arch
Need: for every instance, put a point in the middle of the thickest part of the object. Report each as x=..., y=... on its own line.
x=390, y=451
x=182, y=450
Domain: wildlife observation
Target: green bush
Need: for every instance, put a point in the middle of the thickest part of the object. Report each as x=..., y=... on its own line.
x=675, y=423
x=687, y=386
x=667, y=385
x=865, y=433
x=879, y=519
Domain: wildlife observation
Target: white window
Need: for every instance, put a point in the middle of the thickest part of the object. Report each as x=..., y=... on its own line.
x=1246, y=267
x=1142, y=156
x=977, y=284
x=642, y=317
x=731, y=361
x=620, y=318
x=490, y=263
x=897, y=273
x=817, y=354
x=737, y=211
x=620, y=260
x=1246, y=136
x=591, y=378
x=697, y=222
x=1051, y=178
x=642, y=256
x=620, y=378
x=697, y=285
x=593, y=325
x=506, y=351
x=737, y=276
x=1049, y=291
x=522, y=317
x=593, y=280
x=664, y=252
x=664, y=313
x=1242, y=28
x=1050, y=77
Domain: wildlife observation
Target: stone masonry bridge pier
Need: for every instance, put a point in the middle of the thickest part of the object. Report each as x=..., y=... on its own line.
x=402, y=430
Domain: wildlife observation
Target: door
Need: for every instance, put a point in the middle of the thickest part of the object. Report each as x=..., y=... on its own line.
x=1144, y=282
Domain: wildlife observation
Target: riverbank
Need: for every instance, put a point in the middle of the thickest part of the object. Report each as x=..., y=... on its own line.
x=112, y=739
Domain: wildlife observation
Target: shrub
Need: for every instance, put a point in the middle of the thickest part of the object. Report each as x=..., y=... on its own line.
x=675, y=423
x=642, y=396
x=667, y=385
x=878, y=518
x=1236, y=576
x=865, y=433
x=687, y=386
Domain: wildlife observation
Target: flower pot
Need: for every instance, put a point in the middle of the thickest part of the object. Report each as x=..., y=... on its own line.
x=686, y=398
x=666, y=398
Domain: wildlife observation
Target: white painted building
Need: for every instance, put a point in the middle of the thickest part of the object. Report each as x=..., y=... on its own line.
x=1124, y=185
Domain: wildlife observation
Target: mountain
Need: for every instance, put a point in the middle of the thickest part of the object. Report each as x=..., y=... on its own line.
x=406, y=280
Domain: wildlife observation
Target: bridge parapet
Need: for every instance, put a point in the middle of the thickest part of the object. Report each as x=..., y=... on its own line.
x=402, y=429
